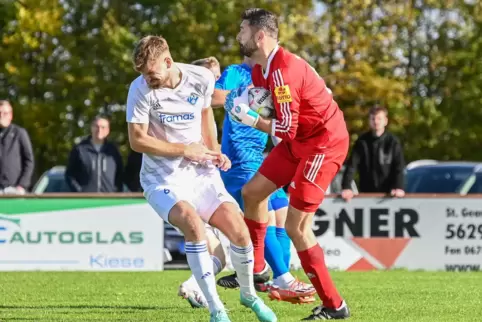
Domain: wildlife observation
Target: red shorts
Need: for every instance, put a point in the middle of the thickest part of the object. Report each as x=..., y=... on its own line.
x=309, y=176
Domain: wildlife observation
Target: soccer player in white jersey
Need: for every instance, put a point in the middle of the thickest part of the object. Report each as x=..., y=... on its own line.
x=170, y=121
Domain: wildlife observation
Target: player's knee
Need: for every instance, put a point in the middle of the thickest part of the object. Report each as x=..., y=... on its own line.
x=294, y=231
x=251, y=194
x=240, y=234
x=188, y=221
x=229, y=221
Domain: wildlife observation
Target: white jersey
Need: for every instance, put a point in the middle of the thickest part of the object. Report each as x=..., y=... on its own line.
x=173, y=115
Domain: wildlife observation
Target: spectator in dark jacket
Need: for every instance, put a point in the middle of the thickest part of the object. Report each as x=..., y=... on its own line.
x=95, y=164
x=16, y=156
x=131, y=172
x=378, y=157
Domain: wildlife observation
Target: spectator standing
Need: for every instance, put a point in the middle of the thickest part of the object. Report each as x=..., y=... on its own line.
x=378, y=157
x=16, y=156
x=95, y=164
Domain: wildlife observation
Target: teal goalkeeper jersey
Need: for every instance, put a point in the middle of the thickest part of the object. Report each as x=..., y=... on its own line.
x=242, y=144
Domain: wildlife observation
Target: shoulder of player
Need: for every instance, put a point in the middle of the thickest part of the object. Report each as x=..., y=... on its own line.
x=138, y=87
x=287, y=64
x=199, y=72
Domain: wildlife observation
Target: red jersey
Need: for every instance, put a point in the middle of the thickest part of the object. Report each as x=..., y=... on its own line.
x=306, y=113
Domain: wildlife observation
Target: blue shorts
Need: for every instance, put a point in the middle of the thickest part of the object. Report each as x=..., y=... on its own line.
x=235, y=179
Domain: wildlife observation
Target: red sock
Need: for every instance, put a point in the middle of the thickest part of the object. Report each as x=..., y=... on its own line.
x=257, y=231
x=313, y=262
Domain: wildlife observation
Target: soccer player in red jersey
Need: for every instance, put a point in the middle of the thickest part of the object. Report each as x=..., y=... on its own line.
x=314, y=146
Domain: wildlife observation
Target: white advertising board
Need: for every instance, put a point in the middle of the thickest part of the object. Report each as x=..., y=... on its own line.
x=410, y=233
x=111, y=238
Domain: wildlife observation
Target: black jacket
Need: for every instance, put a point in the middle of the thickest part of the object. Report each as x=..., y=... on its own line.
x=132, y=170
x=16, y=157
x=379, y=162
x=92, y=171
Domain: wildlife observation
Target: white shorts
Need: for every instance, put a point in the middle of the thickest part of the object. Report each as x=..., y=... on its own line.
x=204, y=192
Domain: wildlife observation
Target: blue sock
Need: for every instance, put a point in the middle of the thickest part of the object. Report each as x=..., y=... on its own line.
x=285, y=243
x=273, y=253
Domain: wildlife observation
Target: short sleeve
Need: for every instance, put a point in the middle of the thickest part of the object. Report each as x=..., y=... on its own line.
x=229, y=79
x=137, y=110
x=209, y=90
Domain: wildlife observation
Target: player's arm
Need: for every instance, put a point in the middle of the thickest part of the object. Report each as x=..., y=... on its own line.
x=208, y=123
x=285, y=97
x=137, y=115
x=141, y=142
x=285, y=93
x=230, y=79
x=209, y=130
x=219, y=97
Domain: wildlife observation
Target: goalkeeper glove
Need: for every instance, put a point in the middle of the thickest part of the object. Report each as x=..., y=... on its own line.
x=238, y=107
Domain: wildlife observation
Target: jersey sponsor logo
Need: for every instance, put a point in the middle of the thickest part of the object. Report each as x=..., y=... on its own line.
x=283, y=94
x=156, y=104
x=192, y=99
x=179, y=118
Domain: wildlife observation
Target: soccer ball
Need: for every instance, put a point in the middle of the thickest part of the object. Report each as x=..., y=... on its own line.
x=261, y=102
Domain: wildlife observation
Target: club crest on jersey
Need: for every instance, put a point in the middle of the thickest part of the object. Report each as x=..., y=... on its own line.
x=283, y=94
x=192, y=99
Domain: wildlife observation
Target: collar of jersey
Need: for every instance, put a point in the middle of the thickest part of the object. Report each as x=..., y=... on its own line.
x=270, y=58
x=179, y=86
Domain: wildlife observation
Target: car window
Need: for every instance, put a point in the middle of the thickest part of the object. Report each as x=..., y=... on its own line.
x=477, y=185
x=56, y=183
x=435, y=179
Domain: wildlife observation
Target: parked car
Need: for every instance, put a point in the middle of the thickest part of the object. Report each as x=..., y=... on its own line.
x=473, y=184
x=52, y=181
x=430, y=176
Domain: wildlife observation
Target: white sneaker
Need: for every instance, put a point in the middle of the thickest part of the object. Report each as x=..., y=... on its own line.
x=195, y=297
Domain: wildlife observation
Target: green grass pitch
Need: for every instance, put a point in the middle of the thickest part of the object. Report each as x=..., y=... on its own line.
x=372, y=296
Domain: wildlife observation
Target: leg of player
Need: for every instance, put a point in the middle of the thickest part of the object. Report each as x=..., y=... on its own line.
x=190, y=290
x=299, y=228
x=234, y=180
x=183, y=216
x=255, y=197
x=229, y=221
x=285, y=286
x=280, y=205
x=306, y=194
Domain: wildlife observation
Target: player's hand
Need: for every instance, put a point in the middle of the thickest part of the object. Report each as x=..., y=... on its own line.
x=397, y=193
x=243, y=114
x=347, y=194
x=223, y=162
x=237, y=105
x=198, y=152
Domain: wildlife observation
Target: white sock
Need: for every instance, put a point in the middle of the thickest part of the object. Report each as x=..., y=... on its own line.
x=284, y=281
x=217, y=267
x=243, y=262
x=201, y=266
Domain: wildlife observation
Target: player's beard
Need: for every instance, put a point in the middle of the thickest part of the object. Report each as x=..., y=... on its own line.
x=248, y=49
x=155, y=83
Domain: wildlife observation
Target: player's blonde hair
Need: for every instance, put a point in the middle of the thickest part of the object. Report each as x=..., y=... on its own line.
x=147, y=51
x=208, y=62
